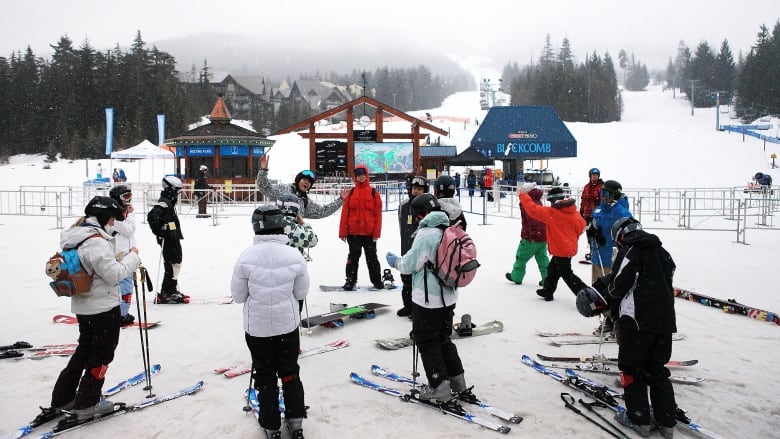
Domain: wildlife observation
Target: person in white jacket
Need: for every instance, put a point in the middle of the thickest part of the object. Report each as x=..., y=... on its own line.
x=271, y=279
x=79, y=386
x=124, y=240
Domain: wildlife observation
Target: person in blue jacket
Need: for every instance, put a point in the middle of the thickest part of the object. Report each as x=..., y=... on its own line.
x=613, y=206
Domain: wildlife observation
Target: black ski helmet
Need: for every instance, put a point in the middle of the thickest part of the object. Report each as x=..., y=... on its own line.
x=594, y=171
x=267, y=218
x=590, y=302
x=613, y=189
x=555, y=194
x=444, y=187
x=307, y=174
x=104, y=208
x=419, y=181
x=122, y=194
x=422, y=204
x=289, y=204
x=623, y=226
x=758, y=176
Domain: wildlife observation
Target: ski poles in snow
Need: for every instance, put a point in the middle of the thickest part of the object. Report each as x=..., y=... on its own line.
x=143, y=328
x=568, y=401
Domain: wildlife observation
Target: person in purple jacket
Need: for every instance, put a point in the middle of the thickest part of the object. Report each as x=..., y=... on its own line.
x=533, y=244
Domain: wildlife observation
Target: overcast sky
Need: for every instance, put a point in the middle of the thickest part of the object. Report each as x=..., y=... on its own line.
x=498, y=31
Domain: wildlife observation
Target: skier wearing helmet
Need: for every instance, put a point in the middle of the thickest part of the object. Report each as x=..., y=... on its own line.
x=303, y=183
x=165, y=225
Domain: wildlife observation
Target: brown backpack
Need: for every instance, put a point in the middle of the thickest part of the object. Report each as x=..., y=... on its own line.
x=69, y=276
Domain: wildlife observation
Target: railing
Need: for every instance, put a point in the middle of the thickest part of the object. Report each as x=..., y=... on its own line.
x=728, y=209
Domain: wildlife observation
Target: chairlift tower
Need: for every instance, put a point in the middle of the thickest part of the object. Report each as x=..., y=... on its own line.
x=488, y=89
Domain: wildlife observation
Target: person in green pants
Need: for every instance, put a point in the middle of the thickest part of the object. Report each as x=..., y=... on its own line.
x=533, y=244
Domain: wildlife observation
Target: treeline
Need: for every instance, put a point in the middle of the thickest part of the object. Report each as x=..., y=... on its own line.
x=58, y=105
x=749, y=83
x=408, y=89
x=585, y=92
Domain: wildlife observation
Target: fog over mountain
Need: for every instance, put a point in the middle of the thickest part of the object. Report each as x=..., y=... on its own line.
x=285, y=59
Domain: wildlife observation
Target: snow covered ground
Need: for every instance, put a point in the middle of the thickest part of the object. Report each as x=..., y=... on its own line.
x=658, y=144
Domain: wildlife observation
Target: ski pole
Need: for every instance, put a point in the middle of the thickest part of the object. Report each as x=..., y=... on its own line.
x=415, y=374
x=590, y=405
x=145, y=329
x=248, y=406
x=568, y=400
x=306, y=305
x=147, y=366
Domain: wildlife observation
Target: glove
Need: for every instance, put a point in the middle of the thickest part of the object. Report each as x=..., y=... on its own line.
x=602, y=285
x=527, y=187
x=391, y=259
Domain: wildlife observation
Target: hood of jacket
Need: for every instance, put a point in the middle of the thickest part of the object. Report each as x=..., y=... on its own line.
x=73, y=236
x=640, y=238
x=451, y=207
x=435, y=219
x=535, y=194
x=368, y=176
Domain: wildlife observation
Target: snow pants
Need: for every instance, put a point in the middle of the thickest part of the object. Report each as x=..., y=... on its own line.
x=525, y=251
x=357, y=245
x=641, y=359
x=560, y=267
x=273, y=359
x=431, y=330
x=172, y=257
x=82, y=379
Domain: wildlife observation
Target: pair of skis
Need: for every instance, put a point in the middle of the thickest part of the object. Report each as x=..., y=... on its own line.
x=242, y=368
x=605, y=394
x=453, y=407
x=579, y=338
x=113, y=390
x=23, y=349
x=603, y=364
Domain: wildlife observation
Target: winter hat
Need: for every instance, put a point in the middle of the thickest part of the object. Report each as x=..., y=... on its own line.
x=535, y=194
x=555, y=194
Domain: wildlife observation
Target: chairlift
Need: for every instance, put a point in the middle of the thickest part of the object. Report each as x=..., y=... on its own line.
x=763, y=126
x=766, y=118
x=724, y=109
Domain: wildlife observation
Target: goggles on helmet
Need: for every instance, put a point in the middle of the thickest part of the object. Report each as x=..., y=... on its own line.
x=606, y=193
x=127, y=198
x=419, y=181
x=309, y=174
x=360, y=171
x=594, y=171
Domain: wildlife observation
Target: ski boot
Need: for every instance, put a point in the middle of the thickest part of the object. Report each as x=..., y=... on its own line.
x=387, y=278
x=464, y=329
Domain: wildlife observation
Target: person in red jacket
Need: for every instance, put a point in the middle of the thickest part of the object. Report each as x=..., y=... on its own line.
x=564, y=225
x=590, y=198
x=360, y=227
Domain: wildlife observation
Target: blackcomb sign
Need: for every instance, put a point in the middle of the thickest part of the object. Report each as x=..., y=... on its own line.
x=524, y=132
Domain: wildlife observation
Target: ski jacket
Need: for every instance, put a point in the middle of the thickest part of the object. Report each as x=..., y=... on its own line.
x=563, y=224
x=590, y=198
x=640, y=286
x=489, y=179
x=124, y=239
x=310, y=208
x=362, y=212
x=604, y=216
x=269, y=278
x=201, y=183
x=301, y=236
x=533, y=230
x=163, y=220
x=471, y=180
x=454, y=212
x=414, y=262
x=406, y=225
x=98, y=258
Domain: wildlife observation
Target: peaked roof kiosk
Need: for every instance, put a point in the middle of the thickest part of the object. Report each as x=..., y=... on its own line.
x=518, y=133
x=378, y=135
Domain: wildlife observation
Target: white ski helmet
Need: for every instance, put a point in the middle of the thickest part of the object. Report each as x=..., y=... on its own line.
x=171, y=181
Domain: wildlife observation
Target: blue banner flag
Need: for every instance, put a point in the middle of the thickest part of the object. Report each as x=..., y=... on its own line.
x=161, y=129
x=109, y=130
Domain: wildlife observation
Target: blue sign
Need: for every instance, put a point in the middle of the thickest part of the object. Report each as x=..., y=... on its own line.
x=258, y=151
x=233, y=151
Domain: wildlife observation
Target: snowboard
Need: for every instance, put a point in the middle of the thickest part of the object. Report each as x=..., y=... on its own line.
x=338, y=315
x=71, y=320
x=330, y=288
x=476, y=331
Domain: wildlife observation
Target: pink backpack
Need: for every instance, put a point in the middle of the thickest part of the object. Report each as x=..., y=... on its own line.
x=456, y=258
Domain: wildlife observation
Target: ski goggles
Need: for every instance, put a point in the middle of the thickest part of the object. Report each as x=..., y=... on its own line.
x=606, y=193
x=309, y=174
x=289, y=208
x=419, y=181
x=359, y=171
x=126, y=198
x=594, y=171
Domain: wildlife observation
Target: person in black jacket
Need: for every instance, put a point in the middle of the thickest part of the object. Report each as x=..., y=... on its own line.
x=641, y=295
x=407, y=225
x=202, y=190
x=165, y=225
